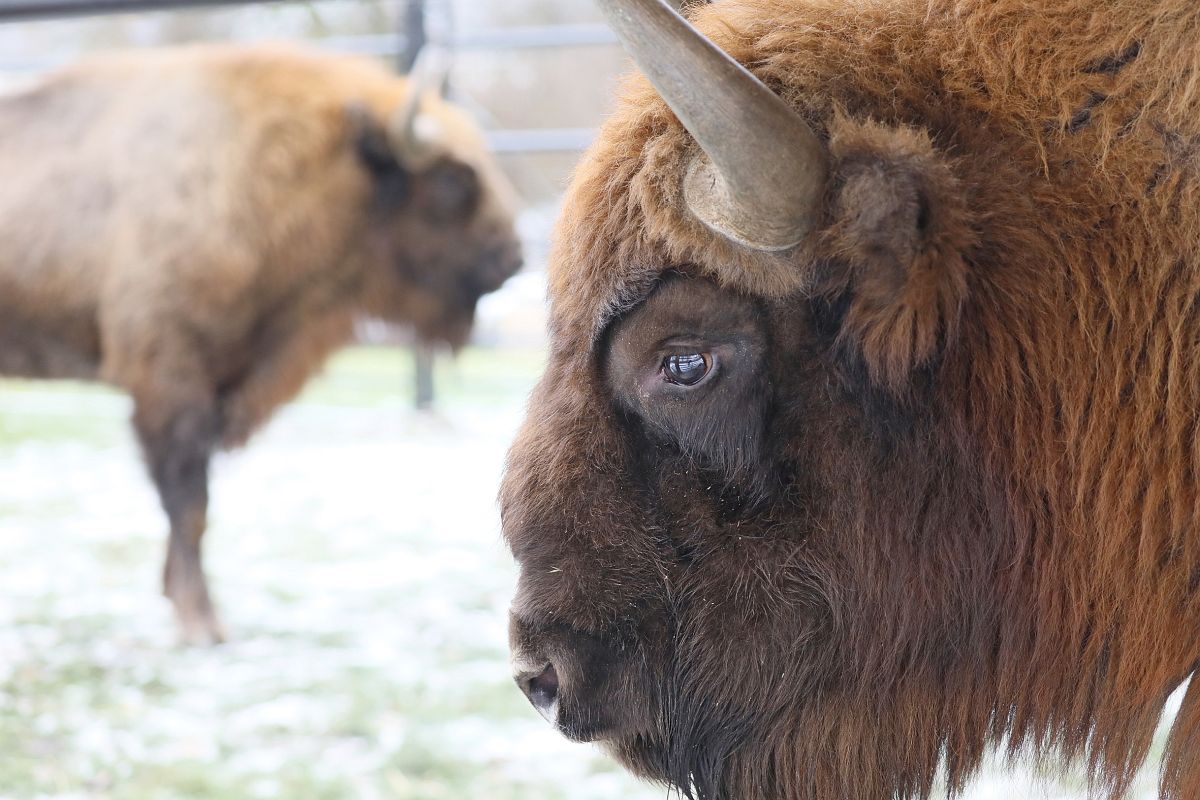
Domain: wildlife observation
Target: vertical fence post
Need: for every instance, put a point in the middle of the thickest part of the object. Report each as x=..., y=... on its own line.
x=423, y=358
x=414, y=37
x=412, y=34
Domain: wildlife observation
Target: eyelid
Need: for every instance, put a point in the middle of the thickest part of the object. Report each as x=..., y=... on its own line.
x=680, y=342
x=700, y=342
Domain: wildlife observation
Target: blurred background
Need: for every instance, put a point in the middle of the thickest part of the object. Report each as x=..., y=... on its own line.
x=354, y=545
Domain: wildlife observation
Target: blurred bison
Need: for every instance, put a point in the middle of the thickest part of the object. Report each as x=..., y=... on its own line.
x=869, y=434
x=201, y=227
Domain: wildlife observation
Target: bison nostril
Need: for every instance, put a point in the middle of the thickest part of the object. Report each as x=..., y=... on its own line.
x=542, y=690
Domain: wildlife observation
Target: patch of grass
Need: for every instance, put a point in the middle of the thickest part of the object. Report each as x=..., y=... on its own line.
x=376, y=375
x=423, y=770
x=52, y=411
x=362, y=375
x=201, y=780
x=396, y=687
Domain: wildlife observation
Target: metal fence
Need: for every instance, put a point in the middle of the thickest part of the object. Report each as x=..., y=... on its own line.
x=395, y=47
x=48, y=9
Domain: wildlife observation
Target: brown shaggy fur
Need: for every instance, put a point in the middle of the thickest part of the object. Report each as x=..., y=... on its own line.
x=200, y=227
x=984, y=386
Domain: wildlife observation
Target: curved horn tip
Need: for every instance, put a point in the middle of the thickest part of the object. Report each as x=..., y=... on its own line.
x=763, y=175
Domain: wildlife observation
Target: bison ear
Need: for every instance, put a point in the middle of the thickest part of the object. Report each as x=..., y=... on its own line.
x=373, y=148
x=899, y=231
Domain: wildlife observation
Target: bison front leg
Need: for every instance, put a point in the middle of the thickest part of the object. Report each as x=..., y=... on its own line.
x=177, y=441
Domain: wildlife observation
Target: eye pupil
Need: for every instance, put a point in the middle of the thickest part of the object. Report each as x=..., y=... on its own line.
x=686, y=369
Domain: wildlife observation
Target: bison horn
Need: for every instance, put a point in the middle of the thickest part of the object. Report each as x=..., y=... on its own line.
x=428, y=74
x=762, y=173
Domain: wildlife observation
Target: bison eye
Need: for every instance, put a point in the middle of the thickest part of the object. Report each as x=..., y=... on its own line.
x=687, y=369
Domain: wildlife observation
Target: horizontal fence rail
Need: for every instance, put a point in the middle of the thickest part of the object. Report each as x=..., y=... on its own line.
x=524, y=37
x=516, y=37
x=540, y=140
x=536, y=36
x=13, y=10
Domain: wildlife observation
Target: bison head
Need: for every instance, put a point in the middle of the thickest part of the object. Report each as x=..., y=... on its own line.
x=819, y=496
x=442, y=213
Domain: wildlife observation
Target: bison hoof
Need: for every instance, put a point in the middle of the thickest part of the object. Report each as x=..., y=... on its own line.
x=200, y=631
x=199, y=625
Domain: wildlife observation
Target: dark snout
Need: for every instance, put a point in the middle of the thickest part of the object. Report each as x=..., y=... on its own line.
x=499, y=263
x=540, y=686
x=510, y=259
x=487, y=269
x=581, y=683
x=542, y=657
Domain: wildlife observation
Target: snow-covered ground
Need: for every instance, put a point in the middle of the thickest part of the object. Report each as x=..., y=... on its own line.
x=355, y=551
